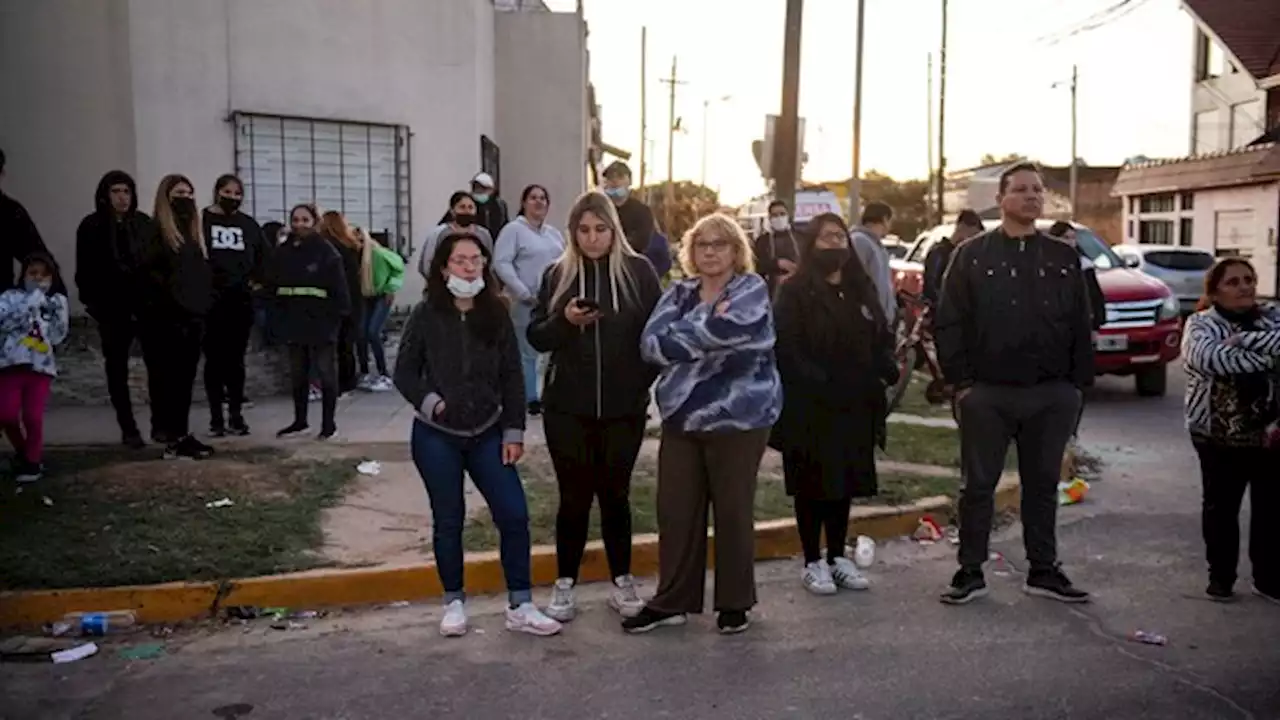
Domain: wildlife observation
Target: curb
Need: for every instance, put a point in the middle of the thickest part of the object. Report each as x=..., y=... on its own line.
x=176, y=602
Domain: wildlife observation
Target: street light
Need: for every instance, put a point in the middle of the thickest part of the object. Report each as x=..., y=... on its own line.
x=1074, y=181
x=706, y=110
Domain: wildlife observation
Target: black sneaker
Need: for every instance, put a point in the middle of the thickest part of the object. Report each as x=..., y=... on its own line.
x=238, y=427
x=732, y=622
x=535, y=407
x=1220, y=591
x=27, y=472
x=217, y=430
x=188, y=448
x=292, y=430
x=162, y=438
x=1266, y=595
x=648, y=619
x=1053, y=584
x=133, y=440
x=967, y=585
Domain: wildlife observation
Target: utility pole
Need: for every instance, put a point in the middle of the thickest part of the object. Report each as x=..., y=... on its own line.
x=786, y=155
x=1074, y=172
x=644, y=107
x=940, y=178
x=855, y=179
x=706, y=110
x=670, y=197
x=929, y=105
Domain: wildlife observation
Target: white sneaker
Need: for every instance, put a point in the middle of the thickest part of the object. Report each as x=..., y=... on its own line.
x=382, y=384
x=529, y=619
x=365, y=383
x=454, y=623
x=624, y=598
x=817, y=579
x=847, y=575
x=563, y=606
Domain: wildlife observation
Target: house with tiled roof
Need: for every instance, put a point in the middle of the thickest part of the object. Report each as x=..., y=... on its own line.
x=1224, y=195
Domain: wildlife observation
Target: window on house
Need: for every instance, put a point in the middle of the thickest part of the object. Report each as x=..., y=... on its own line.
x=359, y=169
x=1211, y=61
x=1129, y=234
x=1155, y=232
x=1185, y=227
x=1188, y=201
x=1156, y=203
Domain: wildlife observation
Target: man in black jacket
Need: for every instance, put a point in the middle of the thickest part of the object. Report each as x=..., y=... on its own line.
x=1014, y=338
x=108, y=251
x=968, y=224
x=636, y=217
x=18, y=237
x=491, y=209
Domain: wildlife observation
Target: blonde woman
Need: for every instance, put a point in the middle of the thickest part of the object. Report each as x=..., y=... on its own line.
x=334, y=228
x=591, y=307
x=381, y=276
x=719, y=393
x=180, y=291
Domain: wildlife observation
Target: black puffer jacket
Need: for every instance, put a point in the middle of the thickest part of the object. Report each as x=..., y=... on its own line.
x=1014, y=311
x=597, y=370
x=311, y=297
x=108, y=253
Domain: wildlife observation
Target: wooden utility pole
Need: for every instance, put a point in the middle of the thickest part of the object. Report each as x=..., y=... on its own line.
x=1074, y=172
x=855, y=179
x=929, y=111
x=644, y=112
x=670, y=195
x=940, y=178
x=786, y=140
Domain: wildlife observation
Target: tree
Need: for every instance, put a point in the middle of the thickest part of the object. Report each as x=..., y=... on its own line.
x=692, y=201
x=909, y=200
x=989, y=159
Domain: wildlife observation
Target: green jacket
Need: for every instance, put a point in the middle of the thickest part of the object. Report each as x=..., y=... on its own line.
x=388, y=271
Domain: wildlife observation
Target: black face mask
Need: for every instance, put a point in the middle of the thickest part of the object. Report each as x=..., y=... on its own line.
x=829, y=260
x=464, y=219
x=183, y=207
x=229, y=205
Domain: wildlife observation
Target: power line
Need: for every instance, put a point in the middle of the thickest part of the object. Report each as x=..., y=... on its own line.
x=1099, y=19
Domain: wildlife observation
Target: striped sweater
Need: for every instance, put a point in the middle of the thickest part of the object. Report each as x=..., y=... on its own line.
x=718, y=370
x=1216, y=371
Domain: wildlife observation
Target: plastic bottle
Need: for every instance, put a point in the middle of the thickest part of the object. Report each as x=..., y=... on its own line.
x=1148, y=638
x=100, y=623
x=864, y=552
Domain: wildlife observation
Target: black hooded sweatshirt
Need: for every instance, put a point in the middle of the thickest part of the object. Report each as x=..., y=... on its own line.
x=237, y=253
x=311, y=291
x=179, y=282
x=108, y=252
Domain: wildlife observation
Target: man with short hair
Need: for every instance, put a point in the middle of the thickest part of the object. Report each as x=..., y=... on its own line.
x=636, y=217
x=491, y=210
x=968, y=224
x=777, y=251
x=18, y=237
x=877, y=219
x=1014, y=338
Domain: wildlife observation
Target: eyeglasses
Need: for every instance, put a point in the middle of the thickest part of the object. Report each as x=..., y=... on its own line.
x=712, y=245
x=465, y=262
x=833, y=236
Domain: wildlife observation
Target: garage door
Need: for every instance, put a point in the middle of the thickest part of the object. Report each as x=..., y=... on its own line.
x=358, y=169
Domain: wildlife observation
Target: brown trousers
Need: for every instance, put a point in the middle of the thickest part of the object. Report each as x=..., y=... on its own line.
x=695, y=472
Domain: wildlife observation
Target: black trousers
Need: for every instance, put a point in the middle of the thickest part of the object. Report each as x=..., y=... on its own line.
x=349, y=333
x=303, y=359
x=226, y=340
x=812, y=517
x=1040, y=420
x=593, y=459
x=1226, y=472
x=177, y=357
x=117, y=334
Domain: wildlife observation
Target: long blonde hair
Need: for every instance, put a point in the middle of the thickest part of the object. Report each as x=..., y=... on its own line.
x=168, y=224
x=569, y=266
x=366, y=262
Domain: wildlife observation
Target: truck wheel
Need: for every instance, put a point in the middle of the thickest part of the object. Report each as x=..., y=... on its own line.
x=1152, y=381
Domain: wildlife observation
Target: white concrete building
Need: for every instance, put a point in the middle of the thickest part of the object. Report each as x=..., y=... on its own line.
x=377, y=108
x=1225, y=195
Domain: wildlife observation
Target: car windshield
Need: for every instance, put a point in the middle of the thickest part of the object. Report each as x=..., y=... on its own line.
x=1092, y=247
x=1180, y=260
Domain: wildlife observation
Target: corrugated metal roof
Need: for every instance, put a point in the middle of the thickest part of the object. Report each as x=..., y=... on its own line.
x=1244, y=166
x=1249, y=28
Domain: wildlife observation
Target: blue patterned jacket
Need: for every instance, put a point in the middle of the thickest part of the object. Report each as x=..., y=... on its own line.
x=718, y=370
x=31, y=323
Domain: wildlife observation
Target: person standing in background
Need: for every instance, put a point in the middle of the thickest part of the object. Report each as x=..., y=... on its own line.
x=776, y=251
x=877, y=219
x=522, y=254
x=175, y=267
x=19, y=236
x=491, y=210
x=659, y=253
x=461, y=218
x=381, y=277
x=109, y=244
x=968, y=224
x=335, y=229
x=273, y=235
x=236, y=252
x=637, y=219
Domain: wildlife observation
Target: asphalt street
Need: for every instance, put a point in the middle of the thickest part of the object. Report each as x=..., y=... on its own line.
x=893, y=652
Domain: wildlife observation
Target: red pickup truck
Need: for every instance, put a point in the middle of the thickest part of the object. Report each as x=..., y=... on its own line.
x=1142, y=331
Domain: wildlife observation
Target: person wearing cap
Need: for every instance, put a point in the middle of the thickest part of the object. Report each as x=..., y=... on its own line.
x=968, y=224
x=491, y=210
x=637, y=219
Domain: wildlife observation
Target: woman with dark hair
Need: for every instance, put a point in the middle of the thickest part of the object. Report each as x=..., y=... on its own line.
x=459, y=367
x=236, y=252
x=526, y=247
x=832, y=341
x=176, y=269
x=1066, y=232
x=1231, y=350
x=311, y=300
x=460, y=219
x=334, y=228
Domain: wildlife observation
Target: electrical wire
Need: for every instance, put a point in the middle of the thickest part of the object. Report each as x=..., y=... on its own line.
x=1099, y=19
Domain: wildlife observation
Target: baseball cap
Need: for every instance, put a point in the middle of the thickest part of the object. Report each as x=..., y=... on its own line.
x=970, y=218
x=483, y=179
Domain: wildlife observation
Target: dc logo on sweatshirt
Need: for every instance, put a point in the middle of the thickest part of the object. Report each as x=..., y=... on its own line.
x=226, y=238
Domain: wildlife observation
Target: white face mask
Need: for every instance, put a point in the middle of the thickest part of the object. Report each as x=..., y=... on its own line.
x=779, y=224
x=465, y=289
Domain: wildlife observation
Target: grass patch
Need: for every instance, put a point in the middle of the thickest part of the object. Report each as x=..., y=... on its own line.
x=116, y=520
x=771, y=501
x=914, y=403
x=929, y=446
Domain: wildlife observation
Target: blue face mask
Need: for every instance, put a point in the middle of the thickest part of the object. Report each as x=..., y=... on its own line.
x=481, y=198
x=618, y=193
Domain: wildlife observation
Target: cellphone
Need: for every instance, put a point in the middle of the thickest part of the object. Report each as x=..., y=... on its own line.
x=588, y=304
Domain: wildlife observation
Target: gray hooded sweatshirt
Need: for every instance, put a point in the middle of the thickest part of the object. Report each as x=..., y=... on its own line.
x=523, y=253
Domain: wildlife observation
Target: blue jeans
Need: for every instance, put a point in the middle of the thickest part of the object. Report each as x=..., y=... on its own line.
x=521, y=314
x=441, y=459
x=377, y=310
